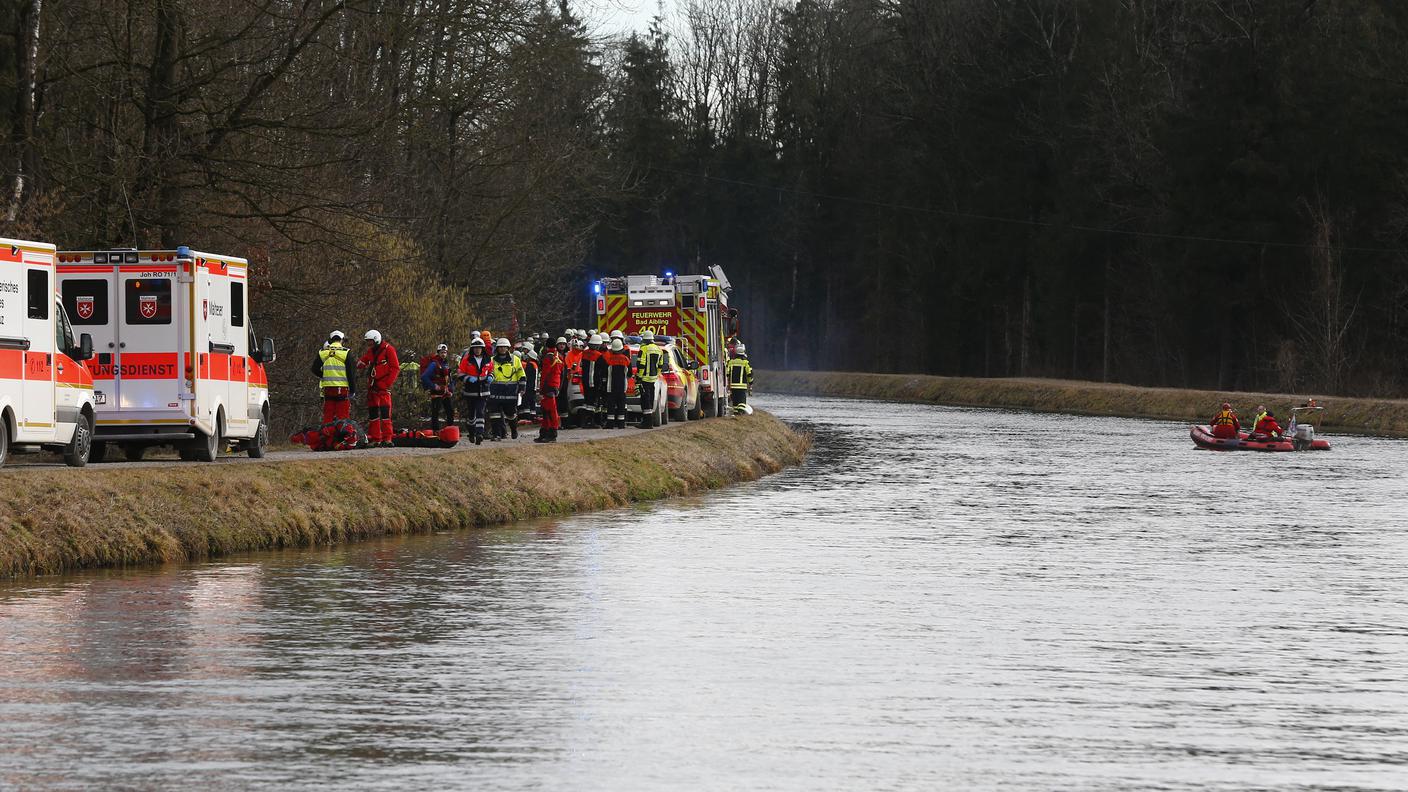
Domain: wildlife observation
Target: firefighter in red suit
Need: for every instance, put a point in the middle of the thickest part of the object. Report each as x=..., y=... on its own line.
x=549, y=385
x=1267, y=426
x=382, y=367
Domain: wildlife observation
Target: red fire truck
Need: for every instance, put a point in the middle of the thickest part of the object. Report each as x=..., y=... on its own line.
x=692, y=309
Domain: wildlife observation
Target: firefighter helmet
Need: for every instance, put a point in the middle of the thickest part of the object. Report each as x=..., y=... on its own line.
x=477, y=342
x=443, y=348
x=740, y=349
x=373, y=336
x=336, y=335
x=561, y=340
x=617, y=345
x=502, y=342
x=596, y=340
x=647, y=337
x=618, y=334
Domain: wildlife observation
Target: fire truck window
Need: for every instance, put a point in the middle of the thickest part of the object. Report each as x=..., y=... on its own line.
x=236, y=304
x=148, y=301
x=86, y=301
x=38, y=290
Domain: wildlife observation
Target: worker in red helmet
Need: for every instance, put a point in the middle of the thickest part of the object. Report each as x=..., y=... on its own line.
x=550, y=369
x=382, y=367
x=1225, y=423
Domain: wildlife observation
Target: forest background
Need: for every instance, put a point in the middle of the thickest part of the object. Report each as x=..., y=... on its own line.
x=1162, y=192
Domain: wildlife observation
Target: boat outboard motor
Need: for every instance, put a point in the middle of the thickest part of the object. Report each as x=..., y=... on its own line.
x=1304, y=437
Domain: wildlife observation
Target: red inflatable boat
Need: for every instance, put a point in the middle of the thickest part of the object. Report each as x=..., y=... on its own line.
x=1244, y=441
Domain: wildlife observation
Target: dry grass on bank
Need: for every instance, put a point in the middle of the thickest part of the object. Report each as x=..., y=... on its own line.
x=107, y=517
x=1385, y=417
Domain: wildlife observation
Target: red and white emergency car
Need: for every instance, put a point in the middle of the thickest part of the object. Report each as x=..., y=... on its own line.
x=46, y=394
x=177, y=360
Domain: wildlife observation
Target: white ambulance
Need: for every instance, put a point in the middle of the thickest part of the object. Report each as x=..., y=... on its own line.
x=46, y=394
x=177, y=360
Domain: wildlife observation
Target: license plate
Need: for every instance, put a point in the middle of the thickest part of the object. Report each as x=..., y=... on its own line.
x=100, y=398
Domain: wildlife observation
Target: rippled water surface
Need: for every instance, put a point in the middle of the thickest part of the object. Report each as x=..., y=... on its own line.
x=939, y=598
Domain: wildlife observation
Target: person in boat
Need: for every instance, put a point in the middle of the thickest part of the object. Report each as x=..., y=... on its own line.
x=1225, y=423
x=1266, y=426
x=1261, y=412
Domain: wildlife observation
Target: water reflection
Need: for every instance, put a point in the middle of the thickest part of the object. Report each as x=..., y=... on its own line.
x=937, y=599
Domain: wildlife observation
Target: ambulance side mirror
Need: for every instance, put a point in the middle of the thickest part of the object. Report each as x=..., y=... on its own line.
x=266, y=351
x=85, y=347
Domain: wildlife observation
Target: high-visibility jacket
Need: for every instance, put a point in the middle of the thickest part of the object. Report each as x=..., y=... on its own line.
x=334, y=372
x=591, y=367
x=479, y=368
x=740, y=373
x=573, y=362
x=510, y=370
x=652, y=363
x=617, y=366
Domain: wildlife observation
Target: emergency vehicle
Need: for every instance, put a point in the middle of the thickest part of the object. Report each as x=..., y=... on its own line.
x=46, y=394
x=178, y=363
x=691, y=309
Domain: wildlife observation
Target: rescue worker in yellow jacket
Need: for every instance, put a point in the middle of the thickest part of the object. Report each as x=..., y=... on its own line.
x=740, y=376
x=334, y=383
x=508, y=379
x=649, y=366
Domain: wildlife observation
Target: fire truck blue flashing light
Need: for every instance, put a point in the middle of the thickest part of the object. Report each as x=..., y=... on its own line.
x=669, y=274
x=596, y=288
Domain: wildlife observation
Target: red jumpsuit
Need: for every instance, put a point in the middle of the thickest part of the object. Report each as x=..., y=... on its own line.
x=382, y=367
x=1267, y=426
x=549, y=385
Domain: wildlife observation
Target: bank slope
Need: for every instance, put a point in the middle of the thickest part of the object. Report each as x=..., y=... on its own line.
x=52, y=521
x=1384, y=417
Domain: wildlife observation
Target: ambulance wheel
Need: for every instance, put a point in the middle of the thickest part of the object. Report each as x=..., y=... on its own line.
x=76, y=455
x=4, y=439
x=679, y=415
x=134, y=453
x=98, y=450
x=257, y=445
x=206, y=448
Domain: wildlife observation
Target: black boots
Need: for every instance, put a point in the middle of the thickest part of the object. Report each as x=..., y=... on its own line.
x=513, y=428
x=546, y=436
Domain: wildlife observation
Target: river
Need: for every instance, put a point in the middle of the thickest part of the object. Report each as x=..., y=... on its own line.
x=940, y=598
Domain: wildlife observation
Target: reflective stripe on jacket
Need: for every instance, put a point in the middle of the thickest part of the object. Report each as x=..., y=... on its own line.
x=334, y=367
x=652, y=361
x=740, y=373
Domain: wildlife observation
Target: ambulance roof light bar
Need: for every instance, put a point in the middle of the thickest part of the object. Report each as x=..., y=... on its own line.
x=184, y=252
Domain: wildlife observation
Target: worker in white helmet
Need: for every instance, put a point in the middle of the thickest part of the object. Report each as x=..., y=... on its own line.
x=382, y=368
x=335, y=383
x=740, y=377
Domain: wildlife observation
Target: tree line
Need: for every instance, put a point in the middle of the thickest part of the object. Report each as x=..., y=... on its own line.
x=1148, y=191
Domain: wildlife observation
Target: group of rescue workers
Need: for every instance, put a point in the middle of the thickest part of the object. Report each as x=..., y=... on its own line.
x=1226, y=424
x=513, y=382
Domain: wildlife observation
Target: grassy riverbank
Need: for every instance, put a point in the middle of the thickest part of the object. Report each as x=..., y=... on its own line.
x=1385, y=417
x=55, y=520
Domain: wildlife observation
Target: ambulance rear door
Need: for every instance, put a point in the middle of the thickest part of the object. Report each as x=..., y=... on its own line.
x=150, y=307
x=89, y=294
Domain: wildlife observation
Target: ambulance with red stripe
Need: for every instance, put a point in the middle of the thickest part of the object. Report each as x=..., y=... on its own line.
x=691, y=309
x=178, y=363
x=46, y=394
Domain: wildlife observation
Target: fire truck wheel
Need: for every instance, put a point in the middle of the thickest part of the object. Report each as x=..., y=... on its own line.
x=134, y=453
x=256, y=446
x=76, y=455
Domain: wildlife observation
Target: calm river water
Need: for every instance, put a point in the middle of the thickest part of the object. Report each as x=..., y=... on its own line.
x=939, y=598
